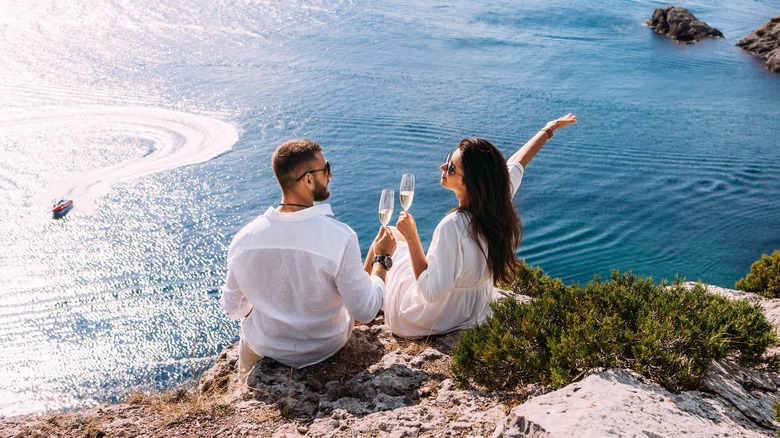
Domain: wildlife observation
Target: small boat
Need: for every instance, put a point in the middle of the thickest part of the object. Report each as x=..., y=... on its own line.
x=61, y=208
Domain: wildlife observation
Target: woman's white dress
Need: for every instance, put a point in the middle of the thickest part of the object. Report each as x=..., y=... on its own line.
x=455, y=291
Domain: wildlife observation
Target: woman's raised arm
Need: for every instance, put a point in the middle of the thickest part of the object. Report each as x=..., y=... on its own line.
x=526, y=153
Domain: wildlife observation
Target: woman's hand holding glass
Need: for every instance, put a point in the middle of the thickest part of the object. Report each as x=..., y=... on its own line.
x=407, y=226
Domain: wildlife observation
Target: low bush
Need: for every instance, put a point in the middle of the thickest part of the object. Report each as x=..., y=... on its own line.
x=764, y=276
x=777, y=417
x=667, y=333
x=531, y=281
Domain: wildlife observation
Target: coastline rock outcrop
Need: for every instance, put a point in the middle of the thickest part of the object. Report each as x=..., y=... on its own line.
x=764, y=42
x=385, y=386
x=681, y=25
x=381, y=385
x=622, y=403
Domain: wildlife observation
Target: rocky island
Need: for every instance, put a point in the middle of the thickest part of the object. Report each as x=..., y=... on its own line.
x=764, y=42
x=681, y=25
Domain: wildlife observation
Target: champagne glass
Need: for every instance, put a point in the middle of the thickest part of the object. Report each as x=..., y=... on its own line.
x=386, y=203
x=407, y=190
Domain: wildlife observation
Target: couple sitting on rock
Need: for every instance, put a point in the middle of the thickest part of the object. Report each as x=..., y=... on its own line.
x=295, y=275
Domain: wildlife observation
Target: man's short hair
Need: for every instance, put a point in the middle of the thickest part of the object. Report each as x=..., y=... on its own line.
x=290, y=157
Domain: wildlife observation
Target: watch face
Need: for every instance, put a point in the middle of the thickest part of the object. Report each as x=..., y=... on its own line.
x=385, y=260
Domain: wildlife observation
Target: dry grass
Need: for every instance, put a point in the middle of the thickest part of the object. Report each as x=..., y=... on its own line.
x=413, y=346
x=180, y=405
x=89, y=426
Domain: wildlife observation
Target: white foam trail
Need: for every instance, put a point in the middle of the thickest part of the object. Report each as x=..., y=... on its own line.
x=179, y=139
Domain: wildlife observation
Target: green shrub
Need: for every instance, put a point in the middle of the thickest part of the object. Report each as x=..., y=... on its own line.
x=777, y=417
x=531, y=281
x=764, y=276
x=669, y=334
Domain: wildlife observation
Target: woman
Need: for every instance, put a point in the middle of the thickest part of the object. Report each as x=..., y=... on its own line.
x=473, y=246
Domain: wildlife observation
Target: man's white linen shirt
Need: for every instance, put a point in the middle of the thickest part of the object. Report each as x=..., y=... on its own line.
x=301, y=276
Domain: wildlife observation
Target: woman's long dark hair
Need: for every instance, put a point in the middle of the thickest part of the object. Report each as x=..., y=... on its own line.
x=493, y=216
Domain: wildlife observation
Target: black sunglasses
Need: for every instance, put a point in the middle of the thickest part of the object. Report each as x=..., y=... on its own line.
x=450, y=168
x=326, y=169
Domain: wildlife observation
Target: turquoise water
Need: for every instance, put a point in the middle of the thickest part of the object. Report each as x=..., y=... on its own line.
x=674, y=168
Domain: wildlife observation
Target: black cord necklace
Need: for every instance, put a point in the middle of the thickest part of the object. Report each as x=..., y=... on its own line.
x=294, y=205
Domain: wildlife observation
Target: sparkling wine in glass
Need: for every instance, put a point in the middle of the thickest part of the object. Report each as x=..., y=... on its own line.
x=386, y=202
x=407, y=190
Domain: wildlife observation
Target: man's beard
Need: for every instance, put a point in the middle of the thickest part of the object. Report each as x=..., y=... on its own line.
x=321, y=192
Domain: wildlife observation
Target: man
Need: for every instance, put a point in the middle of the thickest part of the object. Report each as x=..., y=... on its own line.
x=295, y=274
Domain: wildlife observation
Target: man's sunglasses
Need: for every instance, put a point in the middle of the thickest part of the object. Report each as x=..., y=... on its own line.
x=326, y=169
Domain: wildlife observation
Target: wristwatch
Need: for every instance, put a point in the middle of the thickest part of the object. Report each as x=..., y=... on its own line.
x=385, y=260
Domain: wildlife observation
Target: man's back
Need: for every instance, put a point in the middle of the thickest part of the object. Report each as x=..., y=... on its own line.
x=300, y=275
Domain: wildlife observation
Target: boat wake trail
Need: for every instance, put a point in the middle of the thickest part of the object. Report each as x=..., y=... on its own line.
x=177, y=138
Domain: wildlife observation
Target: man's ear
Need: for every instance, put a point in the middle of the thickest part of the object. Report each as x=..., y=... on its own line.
x=309, y=180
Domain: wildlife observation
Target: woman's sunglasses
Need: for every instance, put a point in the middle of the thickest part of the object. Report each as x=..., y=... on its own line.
x=449, y=167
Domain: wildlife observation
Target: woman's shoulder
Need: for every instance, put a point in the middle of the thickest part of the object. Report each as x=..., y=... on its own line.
x=455, y=221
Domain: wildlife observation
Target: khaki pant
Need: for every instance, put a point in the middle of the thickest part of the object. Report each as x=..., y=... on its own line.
x=246, y=360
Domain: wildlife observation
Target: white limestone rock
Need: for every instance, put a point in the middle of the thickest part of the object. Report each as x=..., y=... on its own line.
x=621, y=403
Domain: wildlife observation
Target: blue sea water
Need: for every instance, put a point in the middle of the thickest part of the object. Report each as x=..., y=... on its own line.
x=674, y=168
